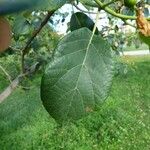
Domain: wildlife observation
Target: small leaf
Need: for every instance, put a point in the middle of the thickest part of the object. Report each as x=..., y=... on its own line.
x=128, y=11
x=146, y=12
x=79, y=76
x=148, y=2
x=21, y=26
x=145, y=39
x=80, y=20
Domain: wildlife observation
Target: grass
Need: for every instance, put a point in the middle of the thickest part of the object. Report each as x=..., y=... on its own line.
x=121, y=123
x=133, y=48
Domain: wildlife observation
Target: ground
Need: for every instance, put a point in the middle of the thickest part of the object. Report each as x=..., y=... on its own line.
x=122, y=122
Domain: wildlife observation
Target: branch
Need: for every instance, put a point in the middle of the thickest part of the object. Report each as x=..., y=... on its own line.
x=127, y=23
x=91, y=4
x=5, y=72
x=10, y=88
x=30, y=70
x=112, y=12
x=109, y=3
x=25, y=50
x=17, y=80
x=89, y=12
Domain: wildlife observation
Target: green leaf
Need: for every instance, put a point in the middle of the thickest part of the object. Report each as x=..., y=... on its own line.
x=145, y=39
x=79, y=76
x=148, y=2
x=127, y=11
x=146, y=12
x=80, y=20
x=21, y=26
x=7, y=6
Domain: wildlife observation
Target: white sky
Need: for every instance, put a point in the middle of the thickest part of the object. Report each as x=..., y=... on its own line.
x=61, y=28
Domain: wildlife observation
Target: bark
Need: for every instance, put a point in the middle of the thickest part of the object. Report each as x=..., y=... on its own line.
x=17, y=80
x=10, y=88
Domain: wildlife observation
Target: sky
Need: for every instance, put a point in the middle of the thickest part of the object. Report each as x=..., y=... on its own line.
x=62, y=27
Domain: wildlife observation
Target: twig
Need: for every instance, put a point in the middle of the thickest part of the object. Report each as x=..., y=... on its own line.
x=90, y=4
x=25, y=50
x=5, y=72
x=14, y=84
x=109, y=3
x=89, y=12
x=15, y=49
x=9, y=89
x=127, y=23
x=112, y=12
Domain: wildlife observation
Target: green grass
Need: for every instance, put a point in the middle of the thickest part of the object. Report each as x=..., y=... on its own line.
x=121, y=123
x=133, y=48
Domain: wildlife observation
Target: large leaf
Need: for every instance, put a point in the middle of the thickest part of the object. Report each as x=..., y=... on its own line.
x=80, y=20
x=79, y=76
x=12, y=6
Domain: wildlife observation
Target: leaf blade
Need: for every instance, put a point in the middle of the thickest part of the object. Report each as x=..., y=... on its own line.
x=73, y=81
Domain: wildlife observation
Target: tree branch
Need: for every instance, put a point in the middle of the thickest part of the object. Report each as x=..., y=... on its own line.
x=109, y=3
x=30, y=70
x=25, y=50
x=5, y=72
x=112, y=12
x=84, y=11
x=91, y=4
x=13, y=85
x=127, y=23
x=10, y=88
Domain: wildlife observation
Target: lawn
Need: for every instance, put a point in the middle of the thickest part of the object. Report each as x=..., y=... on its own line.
x=133, y=48
x=122, y=122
